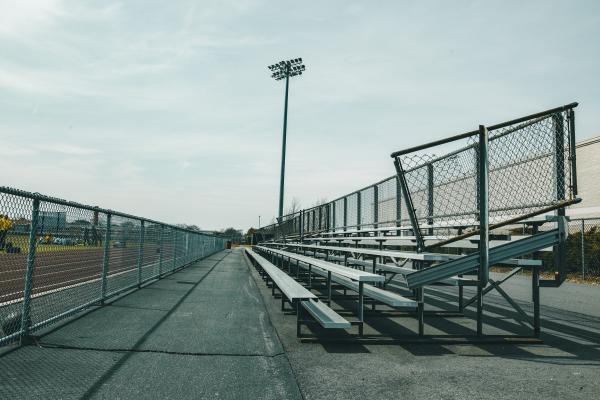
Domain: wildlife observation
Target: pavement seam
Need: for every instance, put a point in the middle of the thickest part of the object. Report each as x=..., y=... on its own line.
x=262, y=300
x=177, y=353
x=137, y=308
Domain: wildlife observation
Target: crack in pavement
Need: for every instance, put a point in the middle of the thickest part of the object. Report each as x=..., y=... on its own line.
x=133, y=350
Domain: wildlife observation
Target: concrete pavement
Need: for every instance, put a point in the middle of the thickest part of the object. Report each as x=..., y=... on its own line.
x=200, y=333
x=213, y=331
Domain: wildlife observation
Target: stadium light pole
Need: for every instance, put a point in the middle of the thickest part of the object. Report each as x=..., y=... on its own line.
x=285, y=70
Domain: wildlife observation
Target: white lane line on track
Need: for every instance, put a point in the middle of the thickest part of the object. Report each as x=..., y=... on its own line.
x=20, y=299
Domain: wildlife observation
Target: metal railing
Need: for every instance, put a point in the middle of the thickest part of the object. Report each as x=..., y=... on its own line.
x=531, y=169
x=499, y=176
x=59, y=257
x=493, y=177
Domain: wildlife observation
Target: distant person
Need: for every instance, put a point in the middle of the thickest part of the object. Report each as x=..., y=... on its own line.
x=2, y=231
x=86, y=236
x=5, y=225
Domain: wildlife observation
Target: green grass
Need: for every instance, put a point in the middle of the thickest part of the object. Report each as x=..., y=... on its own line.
x=22, y=241
x=44, y=248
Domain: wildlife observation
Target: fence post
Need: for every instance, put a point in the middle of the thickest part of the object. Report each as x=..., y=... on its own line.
x=320, y=218
x=560, y=248
x=375, y=206
x=345, y=213
x=483, y=185
x=583, y=248
x=301, y=226
x=430, y=197
x=25, y=318
x=572, y=152
x=333, y=221
x=140, y=253
x=160, y=251
x=559, y=156
x=358, y=210
x=410, y=208
x=105, y=257
x=174, y=249
x=398, y=203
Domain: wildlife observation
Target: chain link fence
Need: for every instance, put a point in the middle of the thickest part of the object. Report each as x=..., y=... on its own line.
x=59, y=257
x=531, y=171
x=529, y=163
x=583, y=247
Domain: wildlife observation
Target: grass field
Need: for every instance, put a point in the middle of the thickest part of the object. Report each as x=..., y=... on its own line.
x=22, y=241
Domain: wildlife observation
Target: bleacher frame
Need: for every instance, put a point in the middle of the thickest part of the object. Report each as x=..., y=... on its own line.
x=436, y=201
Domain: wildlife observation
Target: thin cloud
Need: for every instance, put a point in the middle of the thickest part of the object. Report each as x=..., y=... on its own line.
x=69, y=149
x=178, y=119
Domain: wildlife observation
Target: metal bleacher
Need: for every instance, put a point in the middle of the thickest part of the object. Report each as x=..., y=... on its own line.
x=496, y=196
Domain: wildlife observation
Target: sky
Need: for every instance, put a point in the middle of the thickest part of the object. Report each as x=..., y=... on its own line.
x=167, y=109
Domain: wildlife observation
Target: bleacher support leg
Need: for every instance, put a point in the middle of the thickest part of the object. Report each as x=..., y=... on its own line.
x=298, y=318
x=329, y=288
x=460, y=298
x=479, y=311
x=421, y=311
x=535, y=290
x=360, y=308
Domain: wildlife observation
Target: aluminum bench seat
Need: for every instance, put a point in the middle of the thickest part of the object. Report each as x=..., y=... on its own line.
x=294, y=291
x=394, y=254
x=384, y=296
x=457, y=224
x=286, y=284
x=404, y=271
x=410, y=241
x=335, y=269
x=325, y=316
x=374, y=252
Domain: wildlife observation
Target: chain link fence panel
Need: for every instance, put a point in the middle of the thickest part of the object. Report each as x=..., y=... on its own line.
x=59, y=257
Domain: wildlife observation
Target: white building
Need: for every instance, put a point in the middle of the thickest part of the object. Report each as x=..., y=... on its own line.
x=588, y=179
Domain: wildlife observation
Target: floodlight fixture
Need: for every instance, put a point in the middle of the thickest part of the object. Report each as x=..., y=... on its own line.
x=281, y=70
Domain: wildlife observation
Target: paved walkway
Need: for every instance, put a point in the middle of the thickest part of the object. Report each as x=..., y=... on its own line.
x=213, y=331
x=200, y=333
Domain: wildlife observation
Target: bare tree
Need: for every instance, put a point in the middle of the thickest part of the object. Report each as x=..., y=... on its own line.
x=320, y=202
x=190, y=227
x=293, y=207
